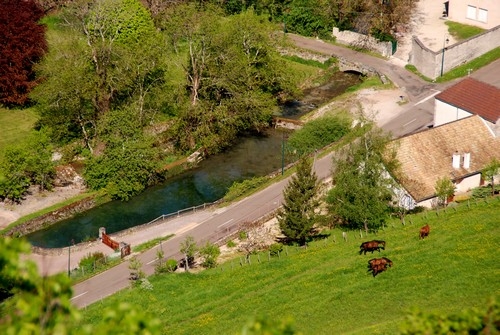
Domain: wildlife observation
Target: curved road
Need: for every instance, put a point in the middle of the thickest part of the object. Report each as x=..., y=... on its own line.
x=213, y=224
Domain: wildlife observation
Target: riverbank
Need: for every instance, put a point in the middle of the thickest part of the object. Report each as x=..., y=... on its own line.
x=380, y=105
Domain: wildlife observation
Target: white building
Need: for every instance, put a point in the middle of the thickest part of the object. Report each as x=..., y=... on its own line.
x=458, y=150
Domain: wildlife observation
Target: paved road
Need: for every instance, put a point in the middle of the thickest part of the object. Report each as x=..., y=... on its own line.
x=213, y=224
x=216, y=224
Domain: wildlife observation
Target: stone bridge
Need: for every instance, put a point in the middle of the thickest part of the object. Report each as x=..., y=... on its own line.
x=350, y=66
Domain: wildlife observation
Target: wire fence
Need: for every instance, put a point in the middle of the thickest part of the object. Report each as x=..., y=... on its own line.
x=351, y=236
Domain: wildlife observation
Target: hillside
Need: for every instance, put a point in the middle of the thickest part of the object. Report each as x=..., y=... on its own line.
x=325, y=289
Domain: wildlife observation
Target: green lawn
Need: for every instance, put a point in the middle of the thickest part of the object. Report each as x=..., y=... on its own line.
x=325, y=288
x=462, y=31
x=15, y=124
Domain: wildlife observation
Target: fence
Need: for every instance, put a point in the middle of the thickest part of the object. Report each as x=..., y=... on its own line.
x=353, y=237
x=164, y=217
x=109, y=241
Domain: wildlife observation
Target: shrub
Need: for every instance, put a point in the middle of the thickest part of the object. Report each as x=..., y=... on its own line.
x=162, y=268
x=92, y=260
x=416, y=210
x=275, y=249
x=318, y=133
x=210, y=252
x=171, y=265
x=483, y=192
x=243, y=235
x=237, y=189
x=231, y=244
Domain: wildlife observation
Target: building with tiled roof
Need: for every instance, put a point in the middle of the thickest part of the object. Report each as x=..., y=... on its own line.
x=458, y=150
x=468, y=97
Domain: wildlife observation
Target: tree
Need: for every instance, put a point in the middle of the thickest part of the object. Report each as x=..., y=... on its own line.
x=136, y=273
x=189, y=248
x=210, y=252
x=128, y=162
x=490, y=171
x=27, y=164
x=234, y=78
x=298, y=215
x=444, y=189
x=23, y=45
x=107, y=55
x=470, y=321
x=30, y=304
x=362, y=188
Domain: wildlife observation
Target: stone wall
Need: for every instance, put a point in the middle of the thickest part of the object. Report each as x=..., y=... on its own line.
x=429, y=62
x=357, y=40
x=52, y=217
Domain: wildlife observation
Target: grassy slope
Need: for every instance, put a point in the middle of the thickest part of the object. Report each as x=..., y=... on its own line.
x=15, y=124
x=326, y=289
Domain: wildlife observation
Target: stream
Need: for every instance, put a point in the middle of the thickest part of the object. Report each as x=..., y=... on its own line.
x=252, y=156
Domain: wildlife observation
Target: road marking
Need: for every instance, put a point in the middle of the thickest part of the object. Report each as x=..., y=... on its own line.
x=225, y=223
x=429, y=97
x=186, y=228
x=78, y=296
x=154, y=260
x=407, y=123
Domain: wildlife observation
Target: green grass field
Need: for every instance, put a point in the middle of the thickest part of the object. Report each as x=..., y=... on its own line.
x=325, y=289
x=15, y=125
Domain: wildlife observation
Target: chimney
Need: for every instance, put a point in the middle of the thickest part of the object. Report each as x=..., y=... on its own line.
x=456, y=160
x=467, y=160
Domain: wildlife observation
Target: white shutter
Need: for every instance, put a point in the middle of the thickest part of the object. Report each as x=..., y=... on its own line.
x=471, y=12
x=482, y=15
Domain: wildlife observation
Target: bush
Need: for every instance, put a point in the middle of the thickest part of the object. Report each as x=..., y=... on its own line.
x=92, y=260
x=243, y=235
x=168, y=267
x=231, y=244
x=319, y=133
x=483, y=191
x=275, y=249
x=237, y=189
x=171, y=265
x=416, y=210
x=210, y=252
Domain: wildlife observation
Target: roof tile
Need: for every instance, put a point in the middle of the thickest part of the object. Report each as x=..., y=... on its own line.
x=427, y=156
x=474, y=97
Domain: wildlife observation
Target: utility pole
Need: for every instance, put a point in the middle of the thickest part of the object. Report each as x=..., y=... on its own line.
x=283, y=153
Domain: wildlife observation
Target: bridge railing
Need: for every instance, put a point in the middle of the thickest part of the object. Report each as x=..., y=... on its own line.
x=164, y=217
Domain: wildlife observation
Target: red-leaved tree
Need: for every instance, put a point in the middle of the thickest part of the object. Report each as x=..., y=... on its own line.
x=22, y=44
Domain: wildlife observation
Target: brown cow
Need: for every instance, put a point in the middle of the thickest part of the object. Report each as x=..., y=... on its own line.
x=424, y=231
x=371, y=246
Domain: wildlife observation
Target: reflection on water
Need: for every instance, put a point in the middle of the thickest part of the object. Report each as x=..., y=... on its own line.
x=253, y=156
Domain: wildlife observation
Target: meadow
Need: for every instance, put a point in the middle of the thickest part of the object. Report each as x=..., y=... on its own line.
x=326, y=289
x=15, y=125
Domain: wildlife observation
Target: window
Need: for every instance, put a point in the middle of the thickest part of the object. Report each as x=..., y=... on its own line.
x=482, y=15
x=471, y=12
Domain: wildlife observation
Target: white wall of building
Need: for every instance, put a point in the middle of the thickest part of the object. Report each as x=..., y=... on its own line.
x=480, y=13
x=444, y=113
x=468, y=183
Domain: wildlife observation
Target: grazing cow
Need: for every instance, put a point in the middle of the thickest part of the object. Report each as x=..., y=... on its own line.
x=424, y=231
x=378, y=265
x=371, y=246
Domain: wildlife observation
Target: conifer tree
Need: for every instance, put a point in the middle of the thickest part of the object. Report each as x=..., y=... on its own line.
x=297, y=217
